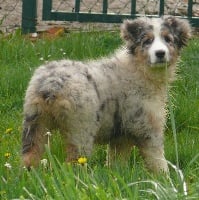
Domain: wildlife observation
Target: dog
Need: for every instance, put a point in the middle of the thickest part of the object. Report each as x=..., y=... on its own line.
x=117, y=100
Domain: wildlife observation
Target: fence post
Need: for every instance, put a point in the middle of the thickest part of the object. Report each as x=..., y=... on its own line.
x=133, y=7
x=29, y=16
x=190, y=9
x=161, y=9
x=47, y=8
x=105, y=6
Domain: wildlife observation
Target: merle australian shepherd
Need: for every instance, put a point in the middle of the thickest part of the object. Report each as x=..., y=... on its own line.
x=117, y=100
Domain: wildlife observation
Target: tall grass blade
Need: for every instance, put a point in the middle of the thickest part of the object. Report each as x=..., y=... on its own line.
x=29, y=193
x=173, y=126
x=171, y=113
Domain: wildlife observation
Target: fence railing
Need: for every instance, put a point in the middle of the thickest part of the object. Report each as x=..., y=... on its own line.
x=29, y=14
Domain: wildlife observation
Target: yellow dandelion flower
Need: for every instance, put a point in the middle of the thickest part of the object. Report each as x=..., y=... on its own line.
x=7, y=154
x=82, y=160
x=8, y=130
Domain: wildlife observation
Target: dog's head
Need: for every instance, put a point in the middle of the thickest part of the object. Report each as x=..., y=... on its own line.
x=156, y=41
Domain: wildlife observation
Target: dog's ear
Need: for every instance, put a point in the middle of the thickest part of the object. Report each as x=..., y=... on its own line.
x=180, y=28
x=131, y=29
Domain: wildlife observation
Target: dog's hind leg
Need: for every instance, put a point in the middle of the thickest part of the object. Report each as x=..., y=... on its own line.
x=33, y=139
x=79, y=139
x=79, y=144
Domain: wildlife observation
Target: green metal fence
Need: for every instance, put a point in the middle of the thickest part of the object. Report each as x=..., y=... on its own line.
x=29, y=14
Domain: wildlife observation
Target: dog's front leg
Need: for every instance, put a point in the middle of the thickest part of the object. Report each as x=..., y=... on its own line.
x=153, y=155
x=79, y=143
x=147, y=127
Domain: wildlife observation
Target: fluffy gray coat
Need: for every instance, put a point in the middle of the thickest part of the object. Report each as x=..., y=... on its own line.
x=119, y=100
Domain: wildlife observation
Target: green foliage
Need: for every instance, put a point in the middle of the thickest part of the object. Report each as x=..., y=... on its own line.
x=93, y=180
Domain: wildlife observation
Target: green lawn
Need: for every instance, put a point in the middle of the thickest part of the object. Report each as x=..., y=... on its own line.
x=18, y=59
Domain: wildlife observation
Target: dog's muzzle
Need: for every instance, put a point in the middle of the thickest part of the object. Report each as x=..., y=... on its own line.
x=160, y=55
x=160, y=59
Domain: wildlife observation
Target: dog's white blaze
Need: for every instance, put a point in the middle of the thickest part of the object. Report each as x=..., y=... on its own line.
x=158, y=45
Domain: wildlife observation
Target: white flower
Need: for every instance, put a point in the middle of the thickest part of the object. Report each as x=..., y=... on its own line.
x=8, y=165
x=48, y=133
x=41, y=59
x=44, y=162
x=34, y=35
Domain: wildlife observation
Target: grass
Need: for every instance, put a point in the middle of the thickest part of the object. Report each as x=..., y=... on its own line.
x=94, y=180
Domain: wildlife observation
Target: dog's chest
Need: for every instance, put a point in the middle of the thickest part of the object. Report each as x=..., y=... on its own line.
x=129, y=115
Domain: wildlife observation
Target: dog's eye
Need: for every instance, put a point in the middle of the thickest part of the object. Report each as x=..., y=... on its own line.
x=148, y=41
x=167, y=39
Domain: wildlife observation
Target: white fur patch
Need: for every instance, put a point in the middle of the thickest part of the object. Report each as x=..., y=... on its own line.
x=158, y=45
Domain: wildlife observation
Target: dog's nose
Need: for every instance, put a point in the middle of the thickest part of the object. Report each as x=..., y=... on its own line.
x=160, y=54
